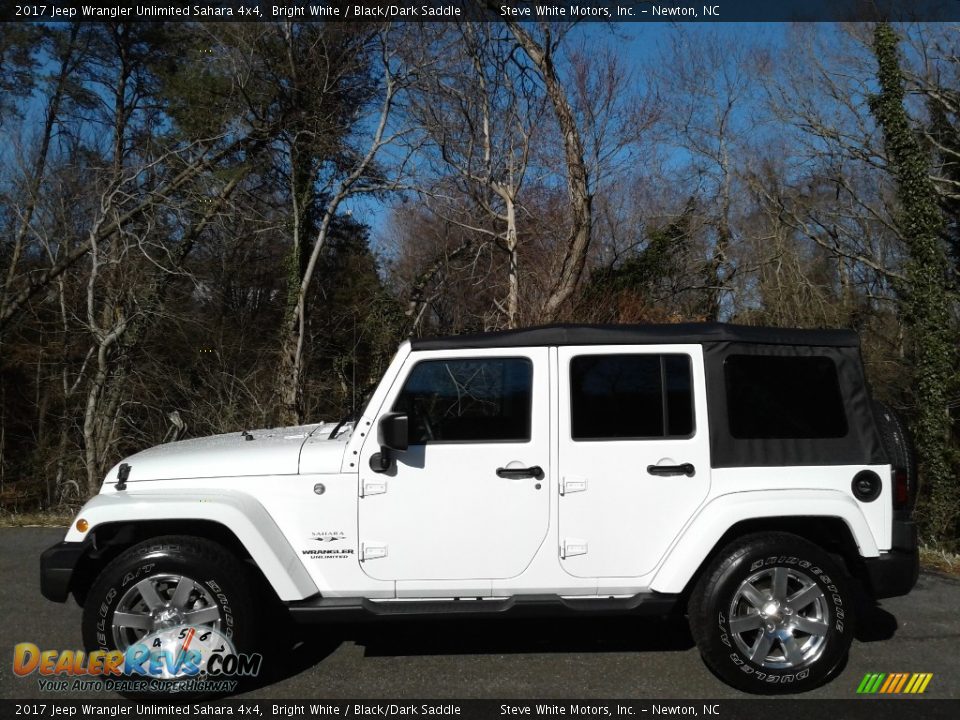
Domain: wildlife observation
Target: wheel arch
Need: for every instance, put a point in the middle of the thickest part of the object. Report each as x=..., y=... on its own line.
x=829, y=533
x=832, y=523
x=240, y=524
x=108, y=540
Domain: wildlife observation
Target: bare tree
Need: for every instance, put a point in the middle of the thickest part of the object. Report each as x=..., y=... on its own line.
x=359, y=175
x=67, y=57
x=481, y=113
x=705, y=84
x=541, y=48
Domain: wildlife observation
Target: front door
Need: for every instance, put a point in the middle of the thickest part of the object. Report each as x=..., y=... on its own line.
x=634, y=458
x=468, y=499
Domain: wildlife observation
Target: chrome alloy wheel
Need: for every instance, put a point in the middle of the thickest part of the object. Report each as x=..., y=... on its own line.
x=779, y=618
x=160, y=602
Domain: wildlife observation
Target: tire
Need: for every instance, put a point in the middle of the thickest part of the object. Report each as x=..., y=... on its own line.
x=796, y=645
x=214, y=595
x=897, y=442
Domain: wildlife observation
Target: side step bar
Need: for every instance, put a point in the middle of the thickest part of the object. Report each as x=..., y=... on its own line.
x=320, y=609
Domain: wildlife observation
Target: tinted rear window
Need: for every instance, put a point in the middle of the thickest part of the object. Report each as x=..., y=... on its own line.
x=630, y=396
x=784, y=397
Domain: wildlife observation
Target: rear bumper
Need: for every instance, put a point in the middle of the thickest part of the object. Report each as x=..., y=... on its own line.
x=895, y=573
x=57, y=566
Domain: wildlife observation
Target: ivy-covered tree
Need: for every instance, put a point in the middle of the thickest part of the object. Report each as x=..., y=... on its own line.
x=923, y=290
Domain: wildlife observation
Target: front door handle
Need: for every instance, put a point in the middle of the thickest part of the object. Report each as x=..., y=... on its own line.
x=685, y=469
x=517, y=473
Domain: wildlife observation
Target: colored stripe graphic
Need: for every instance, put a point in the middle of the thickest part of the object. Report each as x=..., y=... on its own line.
x=903, y=681
x=891, y=680
x=894, y=683
x=867, y=684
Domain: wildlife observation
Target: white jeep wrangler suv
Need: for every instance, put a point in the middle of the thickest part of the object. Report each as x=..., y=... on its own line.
x=739, y=474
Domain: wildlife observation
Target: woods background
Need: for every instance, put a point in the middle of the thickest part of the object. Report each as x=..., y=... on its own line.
x=207, y=228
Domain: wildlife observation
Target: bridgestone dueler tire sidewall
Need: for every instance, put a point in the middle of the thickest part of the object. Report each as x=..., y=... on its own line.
x=710, y=605
x=201, y=560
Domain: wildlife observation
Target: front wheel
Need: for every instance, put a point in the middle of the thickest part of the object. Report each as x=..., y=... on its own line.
x=772, y=614
x=176, y=607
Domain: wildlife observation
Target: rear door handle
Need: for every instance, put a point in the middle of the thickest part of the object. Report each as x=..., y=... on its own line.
x=685, y=469
x=517, y=473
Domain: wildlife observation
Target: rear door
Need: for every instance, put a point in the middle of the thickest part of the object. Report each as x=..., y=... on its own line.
x=634, y=456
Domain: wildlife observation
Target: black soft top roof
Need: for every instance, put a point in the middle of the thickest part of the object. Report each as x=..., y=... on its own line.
x=640, y=335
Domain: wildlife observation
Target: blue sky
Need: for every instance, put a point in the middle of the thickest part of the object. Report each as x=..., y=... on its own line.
x=639, y=45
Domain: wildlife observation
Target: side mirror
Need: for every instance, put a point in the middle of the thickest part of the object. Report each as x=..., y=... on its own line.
x=393, y=432
x=393, y=436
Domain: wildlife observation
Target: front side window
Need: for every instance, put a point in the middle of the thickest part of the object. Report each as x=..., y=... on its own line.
x=469, y=400
x=630, y=397
x=770, y=396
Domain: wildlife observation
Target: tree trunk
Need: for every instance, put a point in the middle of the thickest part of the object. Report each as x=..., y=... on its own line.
x=718, y=263
x=513, y=279
x=715, y=282
x=93, y=421
x=923, y=292
x=578, y=242
x=289, y=386
x=290, y=377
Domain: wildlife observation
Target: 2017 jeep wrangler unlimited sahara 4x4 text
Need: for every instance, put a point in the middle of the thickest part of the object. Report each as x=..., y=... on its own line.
x=742, y=475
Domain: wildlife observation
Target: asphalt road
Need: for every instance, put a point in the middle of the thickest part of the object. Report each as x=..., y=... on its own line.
x=580, y=658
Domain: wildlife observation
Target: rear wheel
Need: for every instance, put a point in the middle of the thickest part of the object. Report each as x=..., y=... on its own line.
x=772, y=613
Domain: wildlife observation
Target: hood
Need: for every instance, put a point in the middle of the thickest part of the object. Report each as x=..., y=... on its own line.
x=274, y=451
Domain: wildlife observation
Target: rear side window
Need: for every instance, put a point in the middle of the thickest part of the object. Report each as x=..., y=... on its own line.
x=472, y=400
x=783, y=397
x=630, y=397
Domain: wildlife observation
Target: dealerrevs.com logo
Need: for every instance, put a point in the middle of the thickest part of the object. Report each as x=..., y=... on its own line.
x=179, y=659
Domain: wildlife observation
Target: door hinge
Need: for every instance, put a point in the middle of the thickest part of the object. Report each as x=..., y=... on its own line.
x=368, y=487
x=572, y=484
x=573, y=546
x=372, y=552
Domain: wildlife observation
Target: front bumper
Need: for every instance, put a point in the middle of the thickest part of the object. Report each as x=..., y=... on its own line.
x=57, y=566
x=895, y=573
